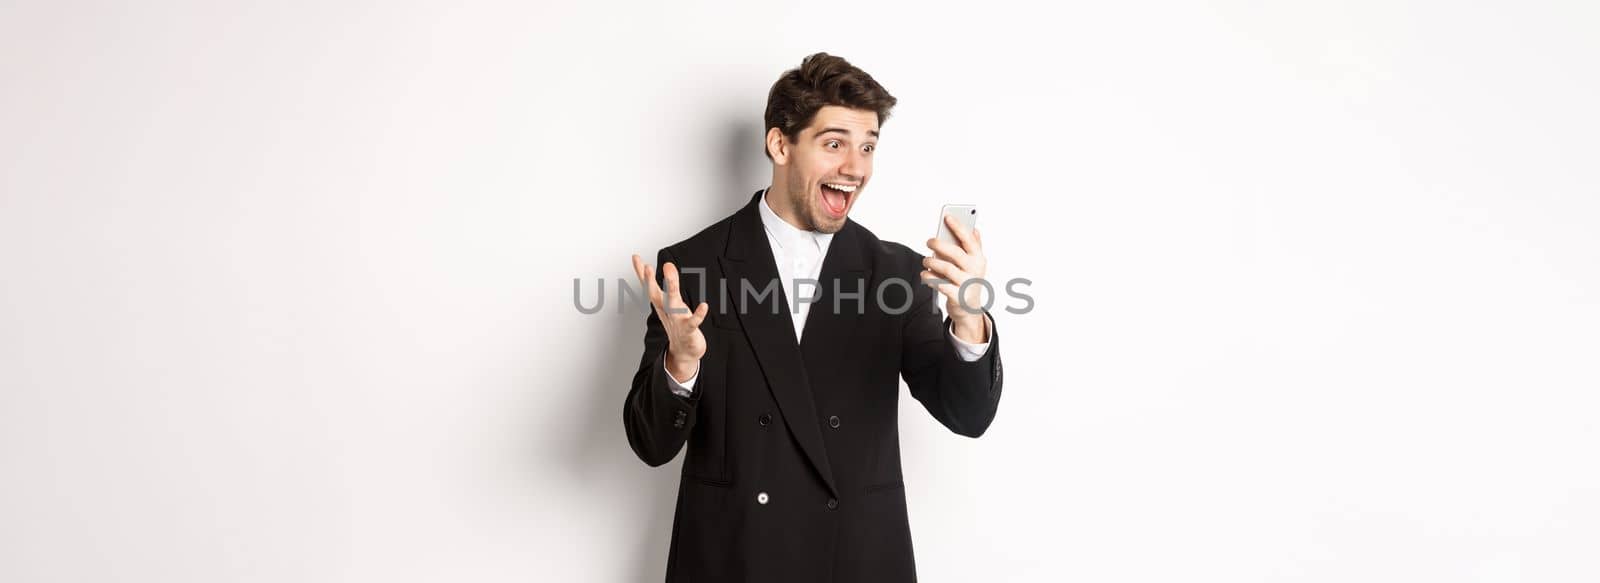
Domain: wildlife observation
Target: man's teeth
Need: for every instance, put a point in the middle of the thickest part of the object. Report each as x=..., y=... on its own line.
x=842, y=187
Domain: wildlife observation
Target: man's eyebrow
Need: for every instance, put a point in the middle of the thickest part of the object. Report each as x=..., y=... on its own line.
x=873, y=133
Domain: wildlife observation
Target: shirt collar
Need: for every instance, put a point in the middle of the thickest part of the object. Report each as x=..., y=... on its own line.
x=787, y=236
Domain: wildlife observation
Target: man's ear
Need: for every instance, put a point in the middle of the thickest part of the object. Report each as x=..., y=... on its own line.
x=777, y=146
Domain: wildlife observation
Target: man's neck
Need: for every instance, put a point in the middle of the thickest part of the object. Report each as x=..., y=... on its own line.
x=778, y=200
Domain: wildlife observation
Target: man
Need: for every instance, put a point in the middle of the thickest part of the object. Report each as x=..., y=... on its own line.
x=783, y=378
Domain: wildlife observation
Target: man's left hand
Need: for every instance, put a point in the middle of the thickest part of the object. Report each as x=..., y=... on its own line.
x=955, y=265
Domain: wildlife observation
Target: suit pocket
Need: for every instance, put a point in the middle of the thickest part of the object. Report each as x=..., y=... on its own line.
x=876, y=546
x=895, y=485
x=701, y=539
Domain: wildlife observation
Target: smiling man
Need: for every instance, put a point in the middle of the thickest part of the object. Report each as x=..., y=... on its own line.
x=775, y=346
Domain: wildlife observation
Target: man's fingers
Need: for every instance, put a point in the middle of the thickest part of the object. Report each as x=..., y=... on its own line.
x=643, y=271
x=945, y=250
x=670, y=300
x=649, y=281
x=968, y=265
x=699, y=314
x=945, y=269
x=663, y=300
x=951, y=292
x=971, y=262
x=968, y=242
x=942, y=284
x=638, y=268
x=675, y=304
x=651, y=290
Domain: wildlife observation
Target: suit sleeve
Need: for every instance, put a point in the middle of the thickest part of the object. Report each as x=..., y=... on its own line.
x=656, y=419
x=962, y=395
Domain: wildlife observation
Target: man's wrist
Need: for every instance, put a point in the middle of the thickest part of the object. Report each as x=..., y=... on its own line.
x=970, y=328
x=681, y=368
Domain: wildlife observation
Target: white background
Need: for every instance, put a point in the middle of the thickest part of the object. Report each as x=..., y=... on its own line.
x=286, y=288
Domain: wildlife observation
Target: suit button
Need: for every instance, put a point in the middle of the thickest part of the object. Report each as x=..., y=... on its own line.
x=761, y=498
x=833, y=503
x=833, y=421
x=765, y=419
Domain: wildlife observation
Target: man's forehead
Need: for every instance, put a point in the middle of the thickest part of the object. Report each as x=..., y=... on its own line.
x=836, y=119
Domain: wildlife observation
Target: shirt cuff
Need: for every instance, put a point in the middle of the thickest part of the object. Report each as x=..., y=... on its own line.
x=685, y=388
x=966, y=350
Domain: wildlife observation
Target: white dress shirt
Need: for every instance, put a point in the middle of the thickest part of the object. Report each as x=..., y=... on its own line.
x=798, y=254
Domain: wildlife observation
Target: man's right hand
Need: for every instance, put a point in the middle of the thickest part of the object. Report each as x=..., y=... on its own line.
x=685, y=343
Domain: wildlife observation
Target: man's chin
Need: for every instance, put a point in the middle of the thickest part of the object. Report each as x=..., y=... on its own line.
x=825, y=223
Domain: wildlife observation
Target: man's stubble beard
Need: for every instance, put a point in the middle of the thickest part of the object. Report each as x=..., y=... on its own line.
x=800, y=203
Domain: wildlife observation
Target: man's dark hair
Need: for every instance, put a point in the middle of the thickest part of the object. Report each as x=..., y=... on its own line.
x=821, y=79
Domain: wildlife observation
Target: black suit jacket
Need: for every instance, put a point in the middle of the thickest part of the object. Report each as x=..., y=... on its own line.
x=793, y=467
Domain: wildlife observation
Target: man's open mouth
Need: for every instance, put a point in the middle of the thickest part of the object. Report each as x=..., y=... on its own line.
x=836, y=198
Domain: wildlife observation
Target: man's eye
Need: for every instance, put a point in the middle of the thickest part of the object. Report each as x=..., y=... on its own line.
x=833, y=144
x=869, y=148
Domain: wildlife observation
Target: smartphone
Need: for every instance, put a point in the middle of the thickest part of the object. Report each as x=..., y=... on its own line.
x=966, y=214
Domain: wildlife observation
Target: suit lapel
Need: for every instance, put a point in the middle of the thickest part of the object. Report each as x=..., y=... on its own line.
x=766, y=323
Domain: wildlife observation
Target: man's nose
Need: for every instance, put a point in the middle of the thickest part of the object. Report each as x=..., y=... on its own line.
x=856, y=166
